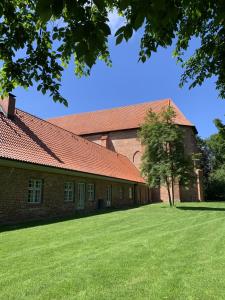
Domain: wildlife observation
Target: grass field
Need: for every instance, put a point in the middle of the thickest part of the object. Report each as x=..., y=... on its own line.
x=151, y=252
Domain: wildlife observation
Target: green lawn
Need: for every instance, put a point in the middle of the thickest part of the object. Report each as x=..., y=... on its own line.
x=151, y=252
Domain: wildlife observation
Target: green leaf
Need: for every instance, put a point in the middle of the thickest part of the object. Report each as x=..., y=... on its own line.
x=139, y=21
x=55, y=35
x=44, y=10
x=128, y=31
x=106, y=29
x=55, y=98
x=120, y=30
x=119, y=39
x=143, y=59
x=57, y=7
x=100, y=4
x=123, y=4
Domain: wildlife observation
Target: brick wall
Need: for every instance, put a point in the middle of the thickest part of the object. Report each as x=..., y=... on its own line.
x=14, y=205
x=127, y=143
x=124, y=142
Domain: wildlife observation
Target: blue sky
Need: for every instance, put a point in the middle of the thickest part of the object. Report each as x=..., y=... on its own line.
x=128, y=82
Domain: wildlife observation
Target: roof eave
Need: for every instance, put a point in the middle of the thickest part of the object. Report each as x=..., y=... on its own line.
x=126, y=129
x=8, y=162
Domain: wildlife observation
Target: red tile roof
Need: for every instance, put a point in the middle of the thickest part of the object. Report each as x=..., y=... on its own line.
x=27, y=138
x=120, y=118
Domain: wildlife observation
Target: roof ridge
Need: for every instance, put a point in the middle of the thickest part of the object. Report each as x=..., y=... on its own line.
x=73, y=134
x=113, y=108
x=117, y=118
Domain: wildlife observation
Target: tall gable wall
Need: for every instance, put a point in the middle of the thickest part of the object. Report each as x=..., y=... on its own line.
x=126, y=142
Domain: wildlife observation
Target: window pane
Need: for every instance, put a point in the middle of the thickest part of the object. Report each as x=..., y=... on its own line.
x=31, y=183
x=68, y=191
x=30, y=196
x=34, y=190
x=37, y=196
x=90, y=191
x=38, y=184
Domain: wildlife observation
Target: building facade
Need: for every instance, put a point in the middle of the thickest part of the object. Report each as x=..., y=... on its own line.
x=117, y=130
x=29, y=192
x=48, y=172
x=78, y=163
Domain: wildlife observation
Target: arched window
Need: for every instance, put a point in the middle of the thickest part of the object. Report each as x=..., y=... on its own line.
x=137, y=159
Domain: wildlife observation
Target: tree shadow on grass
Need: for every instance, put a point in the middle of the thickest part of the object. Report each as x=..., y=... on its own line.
x=201, y=208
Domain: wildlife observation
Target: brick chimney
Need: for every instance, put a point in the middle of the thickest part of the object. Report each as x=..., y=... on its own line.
x=104, y=141
x=7, y=106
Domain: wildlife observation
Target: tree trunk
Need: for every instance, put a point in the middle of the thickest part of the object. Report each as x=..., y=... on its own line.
x=171, y=197
x=172, y=185
x=168, y=190
x=172, y=172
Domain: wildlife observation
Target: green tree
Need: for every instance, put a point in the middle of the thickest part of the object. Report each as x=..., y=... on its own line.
x=216, y=145
x=204, y=163
x=39, y=37
x=164, y=160
x=216, y=186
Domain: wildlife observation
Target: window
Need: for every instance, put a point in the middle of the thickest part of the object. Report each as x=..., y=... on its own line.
x=35, y=191
x=68, y=191
x=121, y=193
x=137, y=159
x=91, y=192
x=109, y=196
x=130, y=192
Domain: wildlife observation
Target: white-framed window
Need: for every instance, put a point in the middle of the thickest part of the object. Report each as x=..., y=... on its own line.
x=121, y=193
x=130, y=192
x=68, y=191
x=91, y=191
x=35, y=190
x=109, y=196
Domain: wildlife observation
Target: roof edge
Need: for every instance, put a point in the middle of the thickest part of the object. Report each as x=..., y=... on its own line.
x=74, y=134
x=126, y=129
x=8, y=162
x=112, y=108
x=168, y=102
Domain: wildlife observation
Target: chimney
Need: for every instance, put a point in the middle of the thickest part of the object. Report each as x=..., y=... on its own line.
x=7, y=106
x=104, y=141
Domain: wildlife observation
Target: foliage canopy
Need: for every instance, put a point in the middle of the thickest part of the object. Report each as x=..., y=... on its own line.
x=216, y=178
x=164, y=160
x=38, y=38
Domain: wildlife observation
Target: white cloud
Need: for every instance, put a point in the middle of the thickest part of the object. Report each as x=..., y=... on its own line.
x=115, y=21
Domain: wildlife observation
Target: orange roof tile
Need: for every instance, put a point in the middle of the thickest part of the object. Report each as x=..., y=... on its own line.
x=27, y=138
x=121, y=118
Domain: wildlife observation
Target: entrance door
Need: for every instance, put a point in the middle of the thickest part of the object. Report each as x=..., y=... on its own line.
x=81, y=195
x=109, y=196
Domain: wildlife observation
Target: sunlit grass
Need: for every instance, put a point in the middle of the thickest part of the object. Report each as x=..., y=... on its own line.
x=151, y=252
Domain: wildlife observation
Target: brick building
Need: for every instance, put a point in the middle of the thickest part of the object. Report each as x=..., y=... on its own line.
x=80, y=162
x=116, y=129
